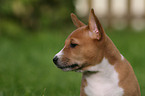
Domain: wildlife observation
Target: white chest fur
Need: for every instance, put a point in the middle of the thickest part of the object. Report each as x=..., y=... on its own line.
x=103, y=83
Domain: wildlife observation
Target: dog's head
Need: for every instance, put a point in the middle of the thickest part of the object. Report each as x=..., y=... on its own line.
x=83, y=47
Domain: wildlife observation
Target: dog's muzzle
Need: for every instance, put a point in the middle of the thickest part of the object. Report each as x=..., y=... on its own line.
x=64, y=67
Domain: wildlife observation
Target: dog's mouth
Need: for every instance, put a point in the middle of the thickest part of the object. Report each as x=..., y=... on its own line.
x=72, y=67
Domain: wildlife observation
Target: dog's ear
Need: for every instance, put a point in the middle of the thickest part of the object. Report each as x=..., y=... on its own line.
x=94, y=26
x=76, y=21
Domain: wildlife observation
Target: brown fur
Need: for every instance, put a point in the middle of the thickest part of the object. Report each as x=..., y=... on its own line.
x=92, y=46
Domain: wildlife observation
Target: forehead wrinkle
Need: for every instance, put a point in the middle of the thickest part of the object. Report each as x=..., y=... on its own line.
x=74, y=40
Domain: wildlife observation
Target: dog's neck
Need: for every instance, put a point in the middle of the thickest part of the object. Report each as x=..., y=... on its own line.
x=111, y=52
x=103, y=76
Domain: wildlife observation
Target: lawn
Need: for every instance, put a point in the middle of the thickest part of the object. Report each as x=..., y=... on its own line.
x=26, y=67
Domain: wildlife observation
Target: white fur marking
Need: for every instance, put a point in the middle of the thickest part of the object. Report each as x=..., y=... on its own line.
x=103, y=83
x=59, y=54
x=122, y=58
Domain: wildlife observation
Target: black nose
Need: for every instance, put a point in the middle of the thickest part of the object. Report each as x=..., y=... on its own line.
x=55, y=59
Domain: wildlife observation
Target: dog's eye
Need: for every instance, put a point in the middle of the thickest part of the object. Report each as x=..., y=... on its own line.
x=73, y=45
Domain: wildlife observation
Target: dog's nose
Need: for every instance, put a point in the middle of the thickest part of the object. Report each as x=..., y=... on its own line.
x=55, y=59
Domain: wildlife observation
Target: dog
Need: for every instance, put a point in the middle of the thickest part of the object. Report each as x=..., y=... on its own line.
x=105, y=71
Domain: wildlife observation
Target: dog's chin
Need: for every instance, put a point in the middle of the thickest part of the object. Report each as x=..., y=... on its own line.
x=72, y=67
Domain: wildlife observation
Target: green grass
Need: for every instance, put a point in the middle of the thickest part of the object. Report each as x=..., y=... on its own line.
x=26, y=67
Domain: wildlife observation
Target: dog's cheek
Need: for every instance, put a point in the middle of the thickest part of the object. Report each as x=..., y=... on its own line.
x=64, y=61
x=88, y=57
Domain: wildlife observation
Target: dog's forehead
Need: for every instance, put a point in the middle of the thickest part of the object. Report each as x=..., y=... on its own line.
x=79, y=33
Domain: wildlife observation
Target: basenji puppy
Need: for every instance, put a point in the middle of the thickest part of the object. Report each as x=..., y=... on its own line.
x=90, y=51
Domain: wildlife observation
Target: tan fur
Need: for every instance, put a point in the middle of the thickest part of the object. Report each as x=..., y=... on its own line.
x=90, y=50
x=127, y=77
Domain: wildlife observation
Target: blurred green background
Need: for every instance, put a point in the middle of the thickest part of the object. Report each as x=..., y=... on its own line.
x=33, y=31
